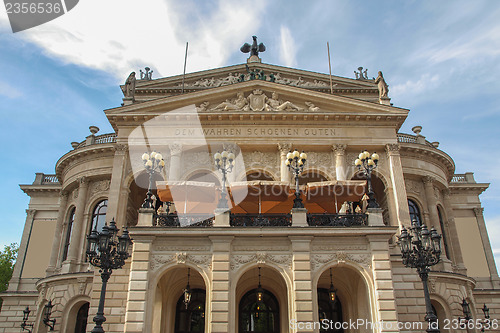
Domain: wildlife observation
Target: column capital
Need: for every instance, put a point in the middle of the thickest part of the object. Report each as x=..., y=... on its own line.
x=392, y=148
x=175, y=148
x=30, y=213
x=284, y=148
x=83, y=181
x=64, y=194
x=478, y=211
x=428, y=180
x=339, y=148
x=120, y=148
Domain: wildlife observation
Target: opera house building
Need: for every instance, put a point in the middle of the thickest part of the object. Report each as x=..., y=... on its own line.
x=254, y=198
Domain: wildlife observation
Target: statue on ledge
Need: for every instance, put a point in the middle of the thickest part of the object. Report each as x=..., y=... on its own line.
x=254, y=49
x=130, y=86
x=383, y=88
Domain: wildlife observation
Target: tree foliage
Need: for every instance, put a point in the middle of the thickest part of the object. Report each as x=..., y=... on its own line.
x=7, y=260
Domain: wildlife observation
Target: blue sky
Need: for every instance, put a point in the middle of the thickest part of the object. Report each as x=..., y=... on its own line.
x=440, y=59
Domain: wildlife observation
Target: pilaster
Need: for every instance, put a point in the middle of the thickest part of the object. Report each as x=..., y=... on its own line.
x=284, y=149
x=431, y=201
x=116, y=193
x=58, y=233
x=220, y=306
x=398, y=184
x=302, y=293
x=23, y=249
x=138, y=286
x=340, y=162
x=78, y=225
x=383, y=283
x=175, y=161
x=486, y=243
x=454, y=241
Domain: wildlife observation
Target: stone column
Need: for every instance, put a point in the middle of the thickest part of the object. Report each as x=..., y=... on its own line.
x=115, y=194
x=431, y=202
x=58, y=234
x=486, y=243
x=284, y=149
x=453, y=240
x=78, y=224
x=391, y=199
x=220, y=321
x=383, y=282
x=135, y=314
x=340, y=162
x=302, y=293
x=398, y=184
x=23, y=249
x=175, y=161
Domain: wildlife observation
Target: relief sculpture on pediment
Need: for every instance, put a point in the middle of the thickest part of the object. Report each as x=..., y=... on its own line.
x=257, y=101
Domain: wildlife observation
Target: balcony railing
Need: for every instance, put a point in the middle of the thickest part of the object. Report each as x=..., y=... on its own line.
x=173, y=220
x=337, y=220
x=260, y=220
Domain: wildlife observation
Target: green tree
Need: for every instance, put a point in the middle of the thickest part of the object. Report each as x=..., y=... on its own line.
x=7, y=260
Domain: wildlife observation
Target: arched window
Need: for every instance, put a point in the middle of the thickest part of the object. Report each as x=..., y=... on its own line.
x=67, y=239
x=192, y=318
x=331, y=311
x=443, y=233
x=81, y=318
x=99, y=215
x=255, y=316
x=414, y=212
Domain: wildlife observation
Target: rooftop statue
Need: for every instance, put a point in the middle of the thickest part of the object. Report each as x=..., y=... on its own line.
x=383, y=88
x=254, y=49
x=130, y=86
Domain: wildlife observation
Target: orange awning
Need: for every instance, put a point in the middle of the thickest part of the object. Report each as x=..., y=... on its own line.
x=330, y=195
x=259, y=196
x=189, y=196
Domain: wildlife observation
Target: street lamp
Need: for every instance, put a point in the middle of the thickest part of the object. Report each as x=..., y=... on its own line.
x=467, y=315
x=421, y=249
x=486, y=312
x=47, y=311
x=366, y=164
x=224, y=162
x=152, y=163
x=107, y=251
x=26, y=315
x=295, y=162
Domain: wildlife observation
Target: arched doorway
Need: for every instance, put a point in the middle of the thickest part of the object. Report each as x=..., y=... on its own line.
x=259, y=315
x=274, y=304
x=191, y=318
x=329, y=310
x=352, y=298
x=169, y=312
x=81, y=318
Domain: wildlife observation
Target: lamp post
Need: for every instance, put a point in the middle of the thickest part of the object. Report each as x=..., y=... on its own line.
x=486, y=312
x=107, y=251
x=366, y=164
x=224, y=162
x=421, y=249
x=295, y=162
x=152, y=163
x=26, y=315
x=47, y=311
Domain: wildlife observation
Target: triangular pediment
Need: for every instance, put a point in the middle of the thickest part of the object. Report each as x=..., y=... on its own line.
x=362, y=89
x=262, y=100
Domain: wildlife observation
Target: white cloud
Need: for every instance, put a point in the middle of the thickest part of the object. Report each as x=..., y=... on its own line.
x=288, y=47
x=123, y=35
x=9, y=91
x=411, y=89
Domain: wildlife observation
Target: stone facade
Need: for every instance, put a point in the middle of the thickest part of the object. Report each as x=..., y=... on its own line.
x=259, y=120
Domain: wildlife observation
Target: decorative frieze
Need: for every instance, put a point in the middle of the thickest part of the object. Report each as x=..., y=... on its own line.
x=202, y=260
x=318, y=260
x=284, y=260
x=99, y=187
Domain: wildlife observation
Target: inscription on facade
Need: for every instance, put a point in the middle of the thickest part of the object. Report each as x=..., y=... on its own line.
x=254, y=132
